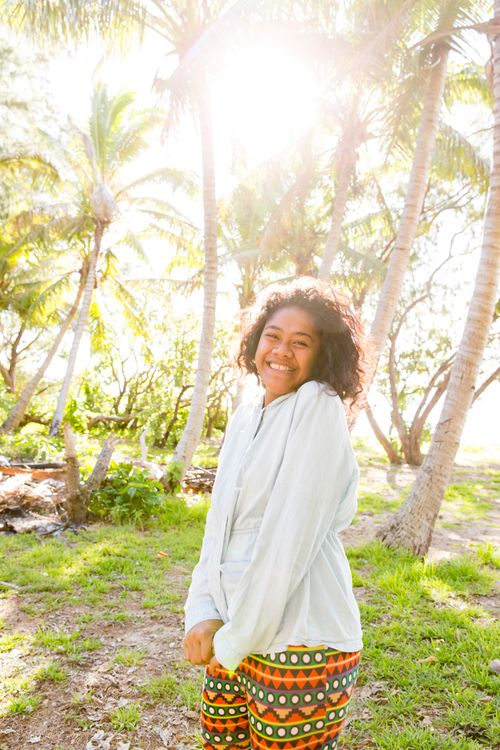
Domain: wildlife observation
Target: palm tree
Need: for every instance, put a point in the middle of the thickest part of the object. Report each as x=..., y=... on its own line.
x=117, y=134
x=191, y=434
x=17, y=412
x=379, y=30
x=192, y=31
x=33, y=286
x=411, y=527
x=74, y=19
x=437, y=57
x=90, y=200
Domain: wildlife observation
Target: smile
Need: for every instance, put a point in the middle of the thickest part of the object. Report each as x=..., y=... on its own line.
x=281, y=368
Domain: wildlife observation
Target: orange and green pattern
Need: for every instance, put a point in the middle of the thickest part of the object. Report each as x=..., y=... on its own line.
x=286, y=700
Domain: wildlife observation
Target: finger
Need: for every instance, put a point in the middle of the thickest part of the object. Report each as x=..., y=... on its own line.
x=194, y=653
x=206, y=649
x=214, y=663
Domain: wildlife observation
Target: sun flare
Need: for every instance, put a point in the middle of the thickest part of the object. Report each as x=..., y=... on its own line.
x=264, y=101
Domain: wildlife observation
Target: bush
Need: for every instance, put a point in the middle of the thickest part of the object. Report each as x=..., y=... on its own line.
x=31, y=446
x=128, y=495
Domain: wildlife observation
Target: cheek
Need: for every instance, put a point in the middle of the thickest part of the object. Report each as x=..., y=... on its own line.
x=258, y=352
x=313, y=361
x=259, y=356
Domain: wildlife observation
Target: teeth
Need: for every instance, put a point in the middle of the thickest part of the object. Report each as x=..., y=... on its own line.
x=275, y=366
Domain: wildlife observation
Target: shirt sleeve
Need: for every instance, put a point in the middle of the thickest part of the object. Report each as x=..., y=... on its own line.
x=200, y=604
x=317, y=474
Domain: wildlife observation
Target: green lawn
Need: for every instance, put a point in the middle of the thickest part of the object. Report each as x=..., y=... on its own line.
x=91, y=631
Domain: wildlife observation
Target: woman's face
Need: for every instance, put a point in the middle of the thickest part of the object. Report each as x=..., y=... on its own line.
x=286, y=352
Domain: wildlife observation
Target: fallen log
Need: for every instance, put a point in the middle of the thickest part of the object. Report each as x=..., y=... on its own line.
x=37, y=464
x=20, y=493
x=39, y=474
x=104, y=418
x=199, y=479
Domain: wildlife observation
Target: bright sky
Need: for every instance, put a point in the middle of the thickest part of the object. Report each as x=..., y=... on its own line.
x=263, y=101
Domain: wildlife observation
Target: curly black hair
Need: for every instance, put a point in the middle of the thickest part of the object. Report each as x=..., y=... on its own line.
x=341, y=355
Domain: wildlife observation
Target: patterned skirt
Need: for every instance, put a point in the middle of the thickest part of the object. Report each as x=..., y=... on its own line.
x=291, y=699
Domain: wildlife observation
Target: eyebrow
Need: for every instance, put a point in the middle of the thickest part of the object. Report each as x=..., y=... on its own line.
x=297, y=333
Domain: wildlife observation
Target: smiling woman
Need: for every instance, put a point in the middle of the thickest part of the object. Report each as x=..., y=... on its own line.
x=270, y=609
x=287, y=351
x=264, y=100
x=305, y=318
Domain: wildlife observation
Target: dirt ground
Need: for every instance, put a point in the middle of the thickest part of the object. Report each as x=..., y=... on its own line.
x=62, y=722
x=449, y=538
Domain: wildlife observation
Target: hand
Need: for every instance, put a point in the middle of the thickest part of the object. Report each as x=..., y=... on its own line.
x=198, y=641
x=214, y=663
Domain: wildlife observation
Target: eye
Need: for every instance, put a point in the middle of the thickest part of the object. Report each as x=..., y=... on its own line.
x=301, y=343
x=271, y=336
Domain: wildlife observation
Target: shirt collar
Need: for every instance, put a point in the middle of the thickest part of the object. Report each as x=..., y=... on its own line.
x=274, y=402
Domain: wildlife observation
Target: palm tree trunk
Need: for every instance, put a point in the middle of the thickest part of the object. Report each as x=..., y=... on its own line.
x=17, y=412
x=414, y=201
x=80, y=327
x=191, y=434
x=411, y=527
x=343, y=182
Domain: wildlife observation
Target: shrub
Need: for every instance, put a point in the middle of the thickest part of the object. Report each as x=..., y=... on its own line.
x=128, y=495
x=30, y=446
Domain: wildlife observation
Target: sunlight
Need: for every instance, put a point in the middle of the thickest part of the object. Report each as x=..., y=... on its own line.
x=264, y=101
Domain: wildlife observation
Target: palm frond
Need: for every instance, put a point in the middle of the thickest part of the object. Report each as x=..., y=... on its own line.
x=34, y=163
x=75, y=19
x=133, y=241
x=451, y=22
x=455, y=156
x=468, y=86
x=367, y=261
x=50, y=299
x=98, y=329
x=161, y=209
x=134, y=316
x=177, y=178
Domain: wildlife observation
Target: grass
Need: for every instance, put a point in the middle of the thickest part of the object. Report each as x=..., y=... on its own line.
x=71, y=644
x=173, y=690
x=122, y=617
x=471, y=501
x=104, y=563
x=24, y=704
x=125, y=718
x=55, y=639
x=427, y=646
x=130, y=657
x=10, y=641
x=375, y=503
x=53, y=672
x=425, y=683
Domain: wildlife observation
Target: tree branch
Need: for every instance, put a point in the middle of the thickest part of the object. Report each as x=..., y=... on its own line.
x=386, y=444
x=489, y=380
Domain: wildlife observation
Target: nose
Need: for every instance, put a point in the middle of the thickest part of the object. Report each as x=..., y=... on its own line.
x=282, y=348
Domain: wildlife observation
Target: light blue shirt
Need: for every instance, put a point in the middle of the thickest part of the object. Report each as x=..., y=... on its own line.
x=271, y=565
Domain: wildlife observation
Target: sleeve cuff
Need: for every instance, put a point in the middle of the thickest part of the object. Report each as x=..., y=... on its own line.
x=195, y=614
x=229, y=657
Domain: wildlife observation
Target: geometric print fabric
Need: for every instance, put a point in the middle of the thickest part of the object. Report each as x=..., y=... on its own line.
x=288, y=700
